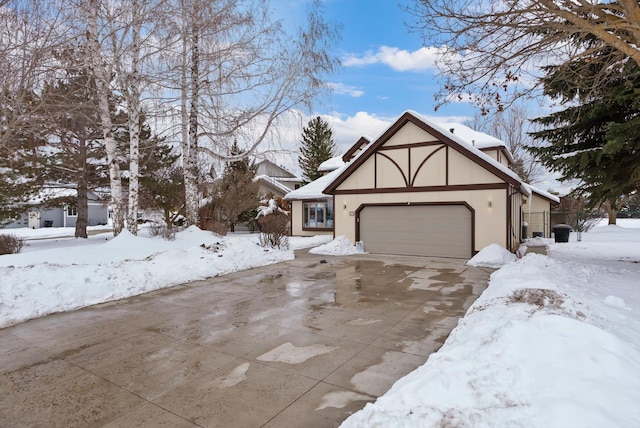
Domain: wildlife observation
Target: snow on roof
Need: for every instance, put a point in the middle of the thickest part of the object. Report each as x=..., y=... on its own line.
x=542, y=193
x=475, y=138
x=49, y=193
x=272, y=181
x=473, y=150
x=288, y=179
x=331, y=164
x=314, y=190
x=46, y=194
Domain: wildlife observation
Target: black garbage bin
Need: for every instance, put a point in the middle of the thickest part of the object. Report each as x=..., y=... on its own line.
x=561, y=232
x=48, y=223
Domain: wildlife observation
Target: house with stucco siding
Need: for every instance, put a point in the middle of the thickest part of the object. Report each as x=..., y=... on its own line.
x=420, y=188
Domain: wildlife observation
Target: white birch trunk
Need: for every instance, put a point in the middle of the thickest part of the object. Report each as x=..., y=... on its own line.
x=134, y=121
x=102, y=79
x=190, y=121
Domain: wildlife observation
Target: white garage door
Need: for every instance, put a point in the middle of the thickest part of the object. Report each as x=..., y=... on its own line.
x=420, y=230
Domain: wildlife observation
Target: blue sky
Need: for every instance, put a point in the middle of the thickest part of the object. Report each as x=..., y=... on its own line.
x=385, y=68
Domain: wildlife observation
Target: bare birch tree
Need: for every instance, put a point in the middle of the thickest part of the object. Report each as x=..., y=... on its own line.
x=493, y=48
x=134, y=46
x=29, y=33
x=239, y=73
x=102, y=70
x=131, y=87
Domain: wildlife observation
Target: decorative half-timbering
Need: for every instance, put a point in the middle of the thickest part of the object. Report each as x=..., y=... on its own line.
x=422, y=189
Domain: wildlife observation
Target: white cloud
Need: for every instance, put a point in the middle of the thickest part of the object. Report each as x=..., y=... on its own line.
x=342, y=89
x=398, y=59
x=346, y=131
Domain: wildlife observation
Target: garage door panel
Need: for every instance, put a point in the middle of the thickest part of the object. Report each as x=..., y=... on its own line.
x=426, y=230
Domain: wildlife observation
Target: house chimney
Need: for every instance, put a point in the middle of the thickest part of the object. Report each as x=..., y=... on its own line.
x=451, y=130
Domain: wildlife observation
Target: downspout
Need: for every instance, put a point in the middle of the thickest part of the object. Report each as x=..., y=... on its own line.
x=529, y=219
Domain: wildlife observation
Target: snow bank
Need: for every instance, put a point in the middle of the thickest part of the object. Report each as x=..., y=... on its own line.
x=341, y=246
x=492, y=256
x=38, y=283
x=538, y=242
x=552, y=342
x=300, y=242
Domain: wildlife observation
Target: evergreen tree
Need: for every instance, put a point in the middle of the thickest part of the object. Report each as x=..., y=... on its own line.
x=596, y=139
x=233, y=194
x=75, y=153
x=24, y=137
x=161, y=179
x=317, y=147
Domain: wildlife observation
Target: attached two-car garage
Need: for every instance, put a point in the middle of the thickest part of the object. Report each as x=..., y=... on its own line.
x=432, y=230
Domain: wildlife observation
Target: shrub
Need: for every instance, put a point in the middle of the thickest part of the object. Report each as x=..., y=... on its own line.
x=217, y=227
x=10, y=244
x=168, y=233
x=274, y=229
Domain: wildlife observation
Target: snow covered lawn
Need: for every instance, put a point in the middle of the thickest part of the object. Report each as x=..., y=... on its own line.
x=553, y=342
x=62, y=273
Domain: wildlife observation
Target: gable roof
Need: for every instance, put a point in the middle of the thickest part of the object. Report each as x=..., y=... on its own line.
x=315, y=189
x=362, y=142
x=272, y=182
x=444, y=135
x=266, y=167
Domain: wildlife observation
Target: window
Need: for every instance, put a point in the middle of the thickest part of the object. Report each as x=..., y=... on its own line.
x=72, y=211
x=317, y=215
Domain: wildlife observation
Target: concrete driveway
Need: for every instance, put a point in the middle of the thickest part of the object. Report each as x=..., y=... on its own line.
x=302, y=343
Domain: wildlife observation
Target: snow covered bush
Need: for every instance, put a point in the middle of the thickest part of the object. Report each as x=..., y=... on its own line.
x=10, y=244
x=274, y=229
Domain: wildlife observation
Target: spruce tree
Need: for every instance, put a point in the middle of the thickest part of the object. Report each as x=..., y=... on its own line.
x=234, y=193
x=594, y=140
x=317, y=147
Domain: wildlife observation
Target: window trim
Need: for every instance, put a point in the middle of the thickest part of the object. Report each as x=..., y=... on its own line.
x=70, y=209
x=328, y=203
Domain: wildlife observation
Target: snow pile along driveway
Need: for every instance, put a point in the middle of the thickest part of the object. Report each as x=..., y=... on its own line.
x=553, y=342
x=340, y=246
x=70, y=273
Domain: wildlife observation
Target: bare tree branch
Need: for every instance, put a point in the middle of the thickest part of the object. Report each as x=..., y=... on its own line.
x=494, y=49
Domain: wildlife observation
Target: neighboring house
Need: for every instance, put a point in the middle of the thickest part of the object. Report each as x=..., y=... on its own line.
x=537, y=212
x=44, y=212
x=274, y=179
x=421, y=188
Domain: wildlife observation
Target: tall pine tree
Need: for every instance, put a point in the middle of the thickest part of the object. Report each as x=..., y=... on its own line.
x=596, y=139
x=317, y=147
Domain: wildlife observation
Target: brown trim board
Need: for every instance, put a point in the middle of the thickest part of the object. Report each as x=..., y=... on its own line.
x=413, y=180
x=411, y=145
x=402, y=121
x=452, y=188
x=404, y=178
x=361, y=141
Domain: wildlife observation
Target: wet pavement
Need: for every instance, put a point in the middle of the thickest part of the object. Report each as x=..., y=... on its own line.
x=301, y=343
